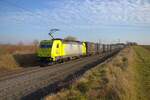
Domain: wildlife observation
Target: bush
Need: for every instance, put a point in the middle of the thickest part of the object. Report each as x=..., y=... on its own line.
x=83, y=87
x=125, y=63
x=124, y=59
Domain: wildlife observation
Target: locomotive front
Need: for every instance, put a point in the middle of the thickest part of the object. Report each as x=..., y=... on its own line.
x=44, y=51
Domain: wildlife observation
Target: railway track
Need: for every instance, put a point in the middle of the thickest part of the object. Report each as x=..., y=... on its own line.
x=17, y=73
x=27, y=83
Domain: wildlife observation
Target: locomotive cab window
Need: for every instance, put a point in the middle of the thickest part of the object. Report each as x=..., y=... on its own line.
x=57, y=46
x=45, y=44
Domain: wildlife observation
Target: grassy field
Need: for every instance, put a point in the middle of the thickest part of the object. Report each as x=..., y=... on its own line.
x=12, y=49
x=16, y=56
x=143, y=72
x=146, y=46
x=125, y=77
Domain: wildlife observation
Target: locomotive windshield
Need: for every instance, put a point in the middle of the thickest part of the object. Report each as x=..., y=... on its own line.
x=46, y=44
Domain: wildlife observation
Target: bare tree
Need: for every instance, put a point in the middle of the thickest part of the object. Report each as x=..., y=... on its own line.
x=36, y=43
x=70, y=38
x=20, y=43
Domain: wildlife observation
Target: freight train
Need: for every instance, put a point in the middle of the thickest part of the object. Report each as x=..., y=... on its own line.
x=56, y=50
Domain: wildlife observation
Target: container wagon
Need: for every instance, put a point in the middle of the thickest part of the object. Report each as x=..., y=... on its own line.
x=91, y=48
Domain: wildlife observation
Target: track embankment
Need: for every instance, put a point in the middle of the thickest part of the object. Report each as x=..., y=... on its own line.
x=38, y=82
x=124, y=77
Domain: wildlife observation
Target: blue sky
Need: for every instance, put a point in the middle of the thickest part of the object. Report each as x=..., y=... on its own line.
x=90, y=20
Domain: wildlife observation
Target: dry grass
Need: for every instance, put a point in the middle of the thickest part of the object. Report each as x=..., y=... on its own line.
x=122, y=77
x=14, y=56
x=8, y=62
x=111, y=81
x=13, y=49
x=125, y=77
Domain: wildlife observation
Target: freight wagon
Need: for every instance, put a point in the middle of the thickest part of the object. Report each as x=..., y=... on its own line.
x=91, y=48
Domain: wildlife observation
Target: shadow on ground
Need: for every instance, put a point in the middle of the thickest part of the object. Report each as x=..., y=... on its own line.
x=26, y=60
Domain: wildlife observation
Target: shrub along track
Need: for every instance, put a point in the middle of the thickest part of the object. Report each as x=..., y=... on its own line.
x=38, y=82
